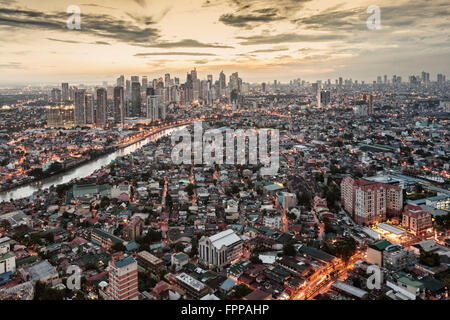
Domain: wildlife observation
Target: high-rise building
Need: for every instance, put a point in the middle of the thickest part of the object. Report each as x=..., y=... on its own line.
x=65, y=91
x=153, y=105
x=80, y=107
x=135, y=100
x=234, y=82
x=368, y=99
x=222, y=83
x=325, y=97
x=144, y=83
x=102, y=103
x=369, y=202
x=316, y=93
x=56, y=96
x=119, y=105
x=167, y=80
x=121, y=81
x=123, y=278
x=89, y=108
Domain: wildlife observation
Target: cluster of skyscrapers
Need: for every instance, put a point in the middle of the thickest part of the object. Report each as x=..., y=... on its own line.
x=139, y=98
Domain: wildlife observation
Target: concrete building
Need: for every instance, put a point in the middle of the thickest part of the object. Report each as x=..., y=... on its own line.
x=7, y=258
x=395, y=257
x=368, y=202
x=123, y=279
x=148, y=261
x=192, y=286
x=375, y=252
x=416, y=220
x=220, y=250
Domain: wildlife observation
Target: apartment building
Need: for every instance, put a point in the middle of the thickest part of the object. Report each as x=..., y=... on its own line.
x=123, y=279
x=370, y=202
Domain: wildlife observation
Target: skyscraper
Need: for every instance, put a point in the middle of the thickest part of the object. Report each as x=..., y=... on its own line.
x=144, y=83
x=89, y=108
x=135, y=99
x=119, y=105
x=65, y=91
x=102, y=101
x=56, y=96
x=316, y=92
x=80, y=108
x=222, y=83
x=368, y=99
x=153, y=105
x=121, y=81
x=167, y=80
x=325, y=97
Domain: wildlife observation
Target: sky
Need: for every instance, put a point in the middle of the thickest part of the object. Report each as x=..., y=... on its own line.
x=263, y=40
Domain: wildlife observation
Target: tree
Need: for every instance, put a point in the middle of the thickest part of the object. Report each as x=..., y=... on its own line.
x=118, y=247
x=289, y=250
x=345, y=248
x=241, y=290
x=430, y=259
x=255, y=259
x=42, y=291
x=189, y=189
x=5, y=224
x=104, y=202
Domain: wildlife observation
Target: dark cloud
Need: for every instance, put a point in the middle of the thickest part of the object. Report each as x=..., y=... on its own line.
x=64, y=41
x=287, y=37
x=413, y=13
x=173, y=54
x=251, y=20
x=252, y=13
x=100, y=25
x=187, y=43
x=270, y=50
x=79, y=42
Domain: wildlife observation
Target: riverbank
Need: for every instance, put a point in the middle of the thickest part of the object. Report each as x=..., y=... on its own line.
x=81, y=170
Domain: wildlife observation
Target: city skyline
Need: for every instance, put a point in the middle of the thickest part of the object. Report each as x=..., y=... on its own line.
x=297, y=39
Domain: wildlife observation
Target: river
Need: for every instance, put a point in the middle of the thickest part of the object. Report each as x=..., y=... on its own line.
x=81, y=171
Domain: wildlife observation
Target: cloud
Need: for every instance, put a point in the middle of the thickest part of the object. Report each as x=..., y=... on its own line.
x=11, y=65
x=142, y=3
x=251, y=20
x=99, y=25
x=173, y=54
x=253, y=13
x=187, y=43
x=270, y=50
x=288, y=37
x=64, y=41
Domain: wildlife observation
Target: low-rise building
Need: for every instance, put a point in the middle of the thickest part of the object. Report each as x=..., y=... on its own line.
x=416, y=220
x=221, y=249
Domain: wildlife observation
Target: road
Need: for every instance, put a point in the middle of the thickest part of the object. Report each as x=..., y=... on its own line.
x=322, y=279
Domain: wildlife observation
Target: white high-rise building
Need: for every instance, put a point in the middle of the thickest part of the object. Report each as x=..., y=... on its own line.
x=153, y=107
